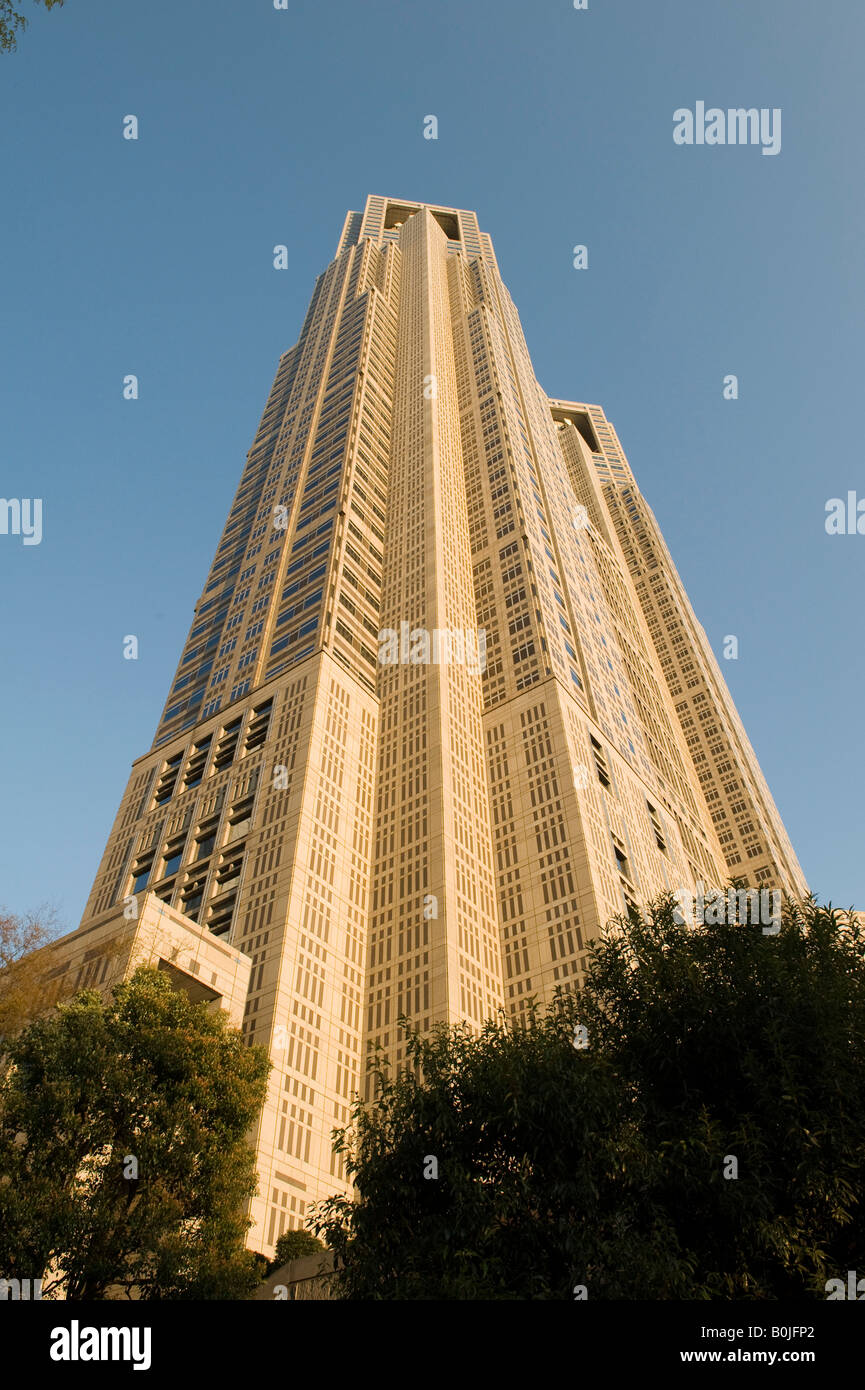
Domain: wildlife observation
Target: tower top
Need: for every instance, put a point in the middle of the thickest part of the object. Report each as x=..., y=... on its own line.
x=382, y=219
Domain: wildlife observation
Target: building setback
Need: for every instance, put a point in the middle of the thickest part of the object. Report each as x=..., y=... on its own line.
x=436, y=838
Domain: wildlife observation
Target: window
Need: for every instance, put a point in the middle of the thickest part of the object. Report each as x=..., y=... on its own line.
x=656, y=826
x=140, y=874
x=221, y=914
x=258, y=725
x=173, y=857
x=229, y=870
x=225, y=749
x=192, y=897
x=621, y=858
x=601, y=764
x=239, y=820
x=205, y=839
x=197, y=762
x=166, y=783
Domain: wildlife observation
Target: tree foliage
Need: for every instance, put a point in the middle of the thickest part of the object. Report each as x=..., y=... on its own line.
x=11, y=21
x=294, y=1245
x=26, y=958
x=124, y=1154
x=748, y=1046
x=559, y=1168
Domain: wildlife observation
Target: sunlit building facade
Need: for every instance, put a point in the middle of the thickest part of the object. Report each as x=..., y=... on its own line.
x=425, y=737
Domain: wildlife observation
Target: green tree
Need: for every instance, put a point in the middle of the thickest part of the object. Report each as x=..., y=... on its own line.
x=11, y=21
x=26, y=959
x=746, y=1046
x=124, y=1154
x=508, y=1165
x=294, y=1245
x=514, y=1164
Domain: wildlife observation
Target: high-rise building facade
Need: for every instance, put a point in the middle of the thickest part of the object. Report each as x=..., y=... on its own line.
x=425, y=736
x=753, y=839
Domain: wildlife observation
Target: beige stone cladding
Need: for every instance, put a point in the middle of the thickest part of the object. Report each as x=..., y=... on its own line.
x=146, y=931
x=443, y=708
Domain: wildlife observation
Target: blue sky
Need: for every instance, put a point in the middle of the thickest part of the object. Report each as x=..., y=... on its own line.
x=260, y=127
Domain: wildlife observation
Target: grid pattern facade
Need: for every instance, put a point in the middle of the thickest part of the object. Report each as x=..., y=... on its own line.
x=431, y=838
x=754, y=842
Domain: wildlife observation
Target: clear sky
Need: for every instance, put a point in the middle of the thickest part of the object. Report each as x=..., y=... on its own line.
x=261, y=126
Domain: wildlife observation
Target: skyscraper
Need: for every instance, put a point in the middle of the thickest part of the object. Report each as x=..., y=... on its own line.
x=425, y=736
